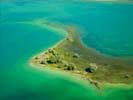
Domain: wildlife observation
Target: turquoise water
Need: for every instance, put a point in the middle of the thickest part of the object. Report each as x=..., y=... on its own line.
x=19, y=42
x=111, y=30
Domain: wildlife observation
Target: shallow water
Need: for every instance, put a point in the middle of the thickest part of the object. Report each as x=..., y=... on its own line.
x=19, y=42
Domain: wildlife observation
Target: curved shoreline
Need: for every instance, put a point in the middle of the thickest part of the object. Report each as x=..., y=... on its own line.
x=70, y=43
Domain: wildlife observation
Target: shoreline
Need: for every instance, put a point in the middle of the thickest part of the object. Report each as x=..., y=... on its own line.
x=75, y=77
x=73, y=40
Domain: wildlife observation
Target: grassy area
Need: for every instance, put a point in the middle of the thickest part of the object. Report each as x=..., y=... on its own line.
x=72, y=56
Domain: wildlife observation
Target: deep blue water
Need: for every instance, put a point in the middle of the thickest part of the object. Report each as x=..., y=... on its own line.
x=106, y=27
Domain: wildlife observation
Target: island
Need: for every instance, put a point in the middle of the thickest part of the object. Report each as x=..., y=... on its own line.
x=72, y=56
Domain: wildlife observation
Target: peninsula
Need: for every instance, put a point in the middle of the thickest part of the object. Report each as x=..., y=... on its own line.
x=71, y=55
